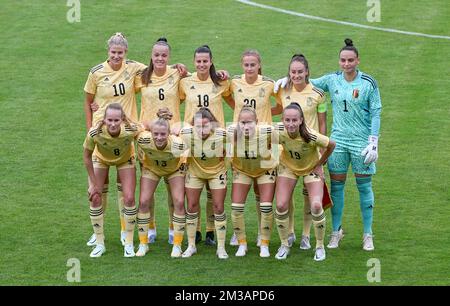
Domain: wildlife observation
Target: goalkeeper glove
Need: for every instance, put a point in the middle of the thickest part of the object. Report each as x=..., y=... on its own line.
x=371, y=151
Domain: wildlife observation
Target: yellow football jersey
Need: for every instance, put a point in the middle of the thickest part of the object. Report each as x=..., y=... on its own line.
x=161, y=92
x=110, y=86
x=252, y=155
x=297, y=154
x=311, y=100
x=256, y=95
x=112, y=150
x=161, y=162
x=206, y=157
x=197, y=93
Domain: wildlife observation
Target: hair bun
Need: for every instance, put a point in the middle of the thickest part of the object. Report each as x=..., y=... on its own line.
x=162, y=39
x=348, y=42
x=298, y=55
x=206, y=46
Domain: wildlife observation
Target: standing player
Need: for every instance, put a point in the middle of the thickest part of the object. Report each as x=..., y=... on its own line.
x=111, y=143
x=112, y=81
x=158, y=84
x=206, y=165
x=356, y=103
x=311, y=99
x=204, y=88
x=254, y=90
x=162, y=158
x=300, y=158
x=252, y=162
x=356, y=106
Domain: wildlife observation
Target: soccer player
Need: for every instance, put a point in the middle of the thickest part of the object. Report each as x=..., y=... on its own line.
x=162, y=158
x=111, y=143
x=300, y=158
x=204, y=88
x=356, y=107
x=112, y=81
x=254, y=90
x=206, y=165
x=158, y=84
x=252, y=162
x=311, y=99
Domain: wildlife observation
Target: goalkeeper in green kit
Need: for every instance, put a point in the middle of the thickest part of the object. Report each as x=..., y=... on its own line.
x=356, y=104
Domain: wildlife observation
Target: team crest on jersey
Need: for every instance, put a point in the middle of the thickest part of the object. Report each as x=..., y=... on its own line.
x=171, y=80
x=309, y=101
x=355, y=93
x=288, y=97
x=336, y=92
x=240, y=90
x=215, y=89
x=262, y=92
x=192, y=87
x=126, y=142
x=126, y=75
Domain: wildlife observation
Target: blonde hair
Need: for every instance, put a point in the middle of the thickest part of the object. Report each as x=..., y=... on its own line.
x=255, y=53
x=163, y=120
x=118, y=39
x=245, y=109
x=115, y=106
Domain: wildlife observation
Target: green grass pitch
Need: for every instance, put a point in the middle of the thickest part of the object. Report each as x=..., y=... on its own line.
x=44, y=210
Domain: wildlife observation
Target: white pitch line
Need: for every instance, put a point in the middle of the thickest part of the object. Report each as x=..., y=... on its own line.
x=268, y=7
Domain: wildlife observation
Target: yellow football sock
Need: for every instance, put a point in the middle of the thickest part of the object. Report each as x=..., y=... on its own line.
x=105, y=197
x=130, y=220
x=266, y=222
x=143, y=220
x=152, y=223
x=291, y=215
x=282, y=220
x=170, y=207
x=179, y=224
x=258, y=210
x=191, y=226
x=220, y=222
x=237, y=218
x=96, y=215
x=319, y=222
x=121, y=206
x=307, y=217
x=209, y=212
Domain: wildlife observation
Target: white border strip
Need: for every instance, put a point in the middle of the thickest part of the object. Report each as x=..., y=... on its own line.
x=268, y=7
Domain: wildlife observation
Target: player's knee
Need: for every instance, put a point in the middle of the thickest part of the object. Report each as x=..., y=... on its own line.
x=144, y=203
x=218, y=208
x=178, y=201
x=128, y=199
x=96, y=200
x=282, y=205
x=316, y=206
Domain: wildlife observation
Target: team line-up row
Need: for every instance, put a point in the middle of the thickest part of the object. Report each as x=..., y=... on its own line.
x=162, y=151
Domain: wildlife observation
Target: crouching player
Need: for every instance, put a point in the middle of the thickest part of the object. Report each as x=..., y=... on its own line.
x=110, y=143
x=300, y=158
x=206, y=165
x=252, y=163
x=162, y=158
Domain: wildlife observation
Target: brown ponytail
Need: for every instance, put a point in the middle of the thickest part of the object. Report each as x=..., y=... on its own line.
x=147, y=72
x=303, y=128
x=212, y=70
